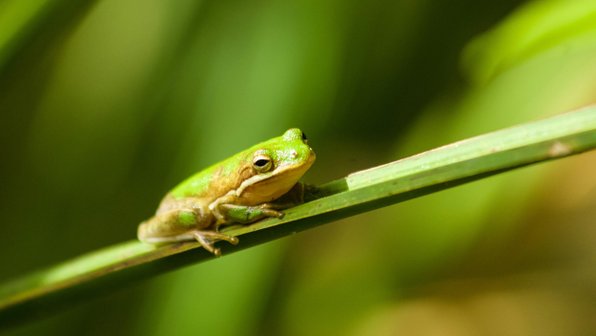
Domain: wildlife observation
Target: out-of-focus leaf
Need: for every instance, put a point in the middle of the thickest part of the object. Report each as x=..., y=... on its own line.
x=539, y=26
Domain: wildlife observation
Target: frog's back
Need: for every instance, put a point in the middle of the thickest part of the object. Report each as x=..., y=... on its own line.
x=192, y=192
x=196, y=185
x=212, y=182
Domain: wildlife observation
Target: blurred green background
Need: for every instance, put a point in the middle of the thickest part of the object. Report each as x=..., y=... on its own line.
x=105, y=105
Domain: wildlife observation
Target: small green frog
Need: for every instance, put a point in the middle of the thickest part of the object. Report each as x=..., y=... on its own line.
x=240, y=189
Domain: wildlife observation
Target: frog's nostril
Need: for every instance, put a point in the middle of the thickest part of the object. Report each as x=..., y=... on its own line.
x=304, y=137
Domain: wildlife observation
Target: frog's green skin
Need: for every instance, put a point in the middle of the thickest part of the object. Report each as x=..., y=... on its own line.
x=236, y=190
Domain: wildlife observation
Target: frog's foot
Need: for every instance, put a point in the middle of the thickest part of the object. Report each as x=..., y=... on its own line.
x=207, y=238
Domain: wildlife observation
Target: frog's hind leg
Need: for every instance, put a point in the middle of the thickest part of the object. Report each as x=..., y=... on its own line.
x=207, y=238
x=182, y=225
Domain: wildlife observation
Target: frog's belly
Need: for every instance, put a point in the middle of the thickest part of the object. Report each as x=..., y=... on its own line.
x=187, y=236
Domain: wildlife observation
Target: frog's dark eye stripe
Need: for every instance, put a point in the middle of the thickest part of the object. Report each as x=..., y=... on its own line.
x=304, y=137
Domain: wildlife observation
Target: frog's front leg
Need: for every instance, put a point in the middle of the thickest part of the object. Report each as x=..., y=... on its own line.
x=181, y=225
x=245, y=214
x=226, y=211
x=248, y=214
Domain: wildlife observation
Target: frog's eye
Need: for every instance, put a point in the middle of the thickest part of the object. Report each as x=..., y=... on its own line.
x=304, y=137
x=261, y=163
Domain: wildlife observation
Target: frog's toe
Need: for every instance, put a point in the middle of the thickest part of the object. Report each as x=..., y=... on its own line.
x=272, y=213
x=216, y=236
x=207, y=238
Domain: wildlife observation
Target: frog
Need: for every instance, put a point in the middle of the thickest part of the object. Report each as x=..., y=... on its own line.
x=239, y=190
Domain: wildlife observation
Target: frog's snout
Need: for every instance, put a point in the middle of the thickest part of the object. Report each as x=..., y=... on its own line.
x=312, y=156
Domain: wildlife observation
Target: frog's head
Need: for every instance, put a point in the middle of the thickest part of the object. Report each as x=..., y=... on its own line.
x=277, y=165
